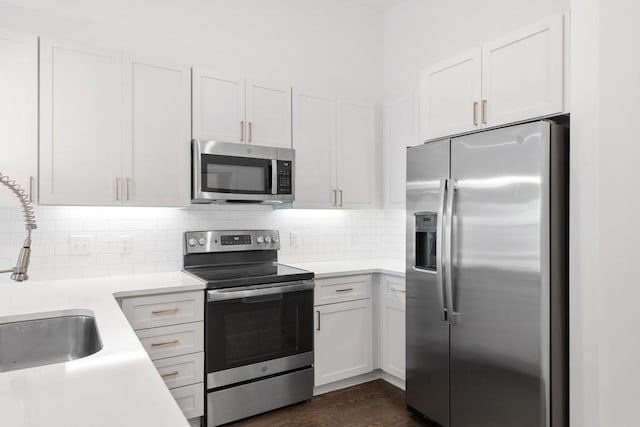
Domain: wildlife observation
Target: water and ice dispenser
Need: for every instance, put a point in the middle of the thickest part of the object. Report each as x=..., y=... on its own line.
x=426, y=236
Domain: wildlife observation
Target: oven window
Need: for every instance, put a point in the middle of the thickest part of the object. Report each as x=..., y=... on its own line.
x=229, y=174
x=251, y=330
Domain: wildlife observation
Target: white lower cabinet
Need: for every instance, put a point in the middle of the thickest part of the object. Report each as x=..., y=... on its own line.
x=392, y=333
x=343, y=346
x=171, y=329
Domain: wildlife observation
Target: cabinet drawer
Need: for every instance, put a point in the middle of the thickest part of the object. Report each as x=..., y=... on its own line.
x=190, y=399
x=163, y=310
x=341, y=289
x=394, y=288
x=181, y=370
x=170, y=341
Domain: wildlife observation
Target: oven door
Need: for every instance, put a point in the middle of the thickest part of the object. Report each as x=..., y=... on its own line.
x=258, y=331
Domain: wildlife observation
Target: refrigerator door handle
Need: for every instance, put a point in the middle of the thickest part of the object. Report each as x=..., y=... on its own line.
x=453, y=316
x=440, y=259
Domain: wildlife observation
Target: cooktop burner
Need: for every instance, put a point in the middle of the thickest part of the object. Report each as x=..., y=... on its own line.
x=224, y=276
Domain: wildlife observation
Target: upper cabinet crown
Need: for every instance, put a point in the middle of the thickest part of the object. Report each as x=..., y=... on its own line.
x=518, y=77
x=232, y=108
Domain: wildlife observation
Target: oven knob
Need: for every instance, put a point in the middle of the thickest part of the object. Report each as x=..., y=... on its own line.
x=274, y=239
x=192, y=242
x=267, y=239
x=259, y=240
x=201, y=242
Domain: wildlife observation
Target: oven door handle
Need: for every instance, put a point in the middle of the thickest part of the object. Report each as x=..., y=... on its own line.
x=231, y=294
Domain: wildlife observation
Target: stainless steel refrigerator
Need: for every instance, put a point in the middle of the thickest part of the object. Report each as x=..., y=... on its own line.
x=487, y=278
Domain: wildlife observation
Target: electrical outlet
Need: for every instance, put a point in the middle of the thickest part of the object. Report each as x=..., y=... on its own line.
x=80, y=244
x=293, y=239
x=126, y=244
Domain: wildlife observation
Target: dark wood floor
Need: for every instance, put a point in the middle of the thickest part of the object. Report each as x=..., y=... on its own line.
x=376, y=403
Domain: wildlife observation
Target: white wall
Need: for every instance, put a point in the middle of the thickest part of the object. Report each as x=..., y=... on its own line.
x=331, y=45
x=418, y=33
x=605, y=206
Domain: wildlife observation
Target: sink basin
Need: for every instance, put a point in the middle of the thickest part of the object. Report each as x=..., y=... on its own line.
x=38, y=342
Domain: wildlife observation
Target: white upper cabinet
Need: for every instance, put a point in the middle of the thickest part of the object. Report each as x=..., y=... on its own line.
x=522, y=73
x=18, y=112
x=314, y=130
x=450, y=94
x=399, y=132
x=356, y=155
x=335, y=152
x=230, y=108
x=80, y=125
x=268, y=114
x=519, y=77
x=218, y=106
x=156, y=146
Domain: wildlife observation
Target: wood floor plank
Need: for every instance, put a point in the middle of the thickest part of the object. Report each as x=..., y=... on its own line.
x=376, y=403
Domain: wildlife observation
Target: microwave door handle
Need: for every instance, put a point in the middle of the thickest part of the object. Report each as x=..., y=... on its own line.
x=274, y=176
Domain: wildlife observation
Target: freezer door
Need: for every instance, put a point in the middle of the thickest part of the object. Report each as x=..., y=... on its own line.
x=427, y=383
x=500, y=282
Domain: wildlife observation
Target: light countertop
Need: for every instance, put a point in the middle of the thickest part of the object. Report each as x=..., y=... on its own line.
x=326, y=269
x=117, y=386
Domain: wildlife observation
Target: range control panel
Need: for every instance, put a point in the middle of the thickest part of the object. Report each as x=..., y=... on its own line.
x=230, y=240
x=284, y=177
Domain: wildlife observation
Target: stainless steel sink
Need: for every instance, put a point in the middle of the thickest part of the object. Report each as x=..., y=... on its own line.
x=38, y=342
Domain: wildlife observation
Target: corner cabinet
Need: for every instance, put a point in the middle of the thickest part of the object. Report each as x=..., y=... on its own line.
x=335, y=148
x=114, y=131
x=400, y=130
x=519, y=77
x=18, y=112
x=232, y=108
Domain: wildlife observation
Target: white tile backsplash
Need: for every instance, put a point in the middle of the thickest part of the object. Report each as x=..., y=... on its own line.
x=156, y=236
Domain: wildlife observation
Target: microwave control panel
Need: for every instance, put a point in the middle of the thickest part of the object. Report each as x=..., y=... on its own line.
x=285, y=175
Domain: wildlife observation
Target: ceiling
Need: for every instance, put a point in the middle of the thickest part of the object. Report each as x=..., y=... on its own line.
x=381, y=5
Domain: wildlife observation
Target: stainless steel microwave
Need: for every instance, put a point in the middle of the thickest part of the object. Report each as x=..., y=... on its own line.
x=241, y=173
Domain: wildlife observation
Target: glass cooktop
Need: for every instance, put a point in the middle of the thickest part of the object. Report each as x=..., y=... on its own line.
x=248, y=274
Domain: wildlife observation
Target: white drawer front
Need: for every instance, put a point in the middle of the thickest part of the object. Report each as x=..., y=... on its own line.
x=176, y=340
x=163, y=310
x=190, y=399
x=342, y=289
x=394, y=288
x=181, y=370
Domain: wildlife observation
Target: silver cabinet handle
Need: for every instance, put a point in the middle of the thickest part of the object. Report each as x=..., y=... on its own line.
x=335, y=198
x=31, y=189
x=170, y=374
x=128, y=181
x=440, y=248
x=250, y=131
x=318, y=315
x=475, y=114
x=448, y=243
x=484, y=111
x=402, y=291
x=164, y=311
x=340, y=191
x=157, y=344
x=242, y=131
x=344, y=290
x=118, y=189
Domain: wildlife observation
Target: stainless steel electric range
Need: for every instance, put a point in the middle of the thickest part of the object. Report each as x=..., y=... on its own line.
x=259, y=323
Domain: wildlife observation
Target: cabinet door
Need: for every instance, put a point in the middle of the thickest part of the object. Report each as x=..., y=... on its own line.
x=343, y=341
x=18, y=112
x=399, y=132
x=314, y=139
x=268, y=114
x=80, y=125
x=156, y=139
x=450, y=93
x=356, y=150
x=392, y=337
x=218, y=106
x=522, y=76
